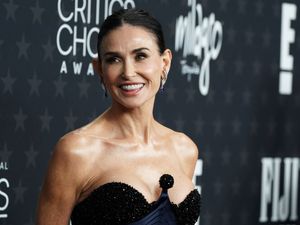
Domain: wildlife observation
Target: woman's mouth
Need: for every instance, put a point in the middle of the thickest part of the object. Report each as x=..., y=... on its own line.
x=131, y=87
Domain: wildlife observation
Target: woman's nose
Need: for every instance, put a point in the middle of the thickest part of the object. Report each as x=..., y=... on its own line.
x=128, y=69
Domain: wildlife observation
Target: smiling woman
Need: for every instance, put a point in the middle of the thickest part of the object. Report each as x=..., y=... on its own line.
x=124, y=167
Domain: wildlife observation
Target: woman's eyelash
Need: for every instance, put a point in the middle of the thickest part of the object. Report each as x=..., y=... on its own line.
x=112, y=59
x=141, y=56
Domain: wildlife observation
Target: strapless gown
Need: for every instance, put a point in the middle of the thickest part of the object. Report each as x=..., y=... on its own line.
x=118, y=203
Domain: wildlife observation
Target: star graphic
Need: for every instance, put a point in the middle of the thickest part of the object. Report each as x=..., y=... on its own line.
x=83, y=87
x=264, y=97
x=48, y=50
x=217, y=124
x=221, y=65
x=46, y=119
x=23, y=47
x=31, y=222
x=266, y=36
x=5, y=154
x=253, y=127
x=259, y=6
x=244, y=217
x=257, y=67
x=244, y=154
x=218, y=185
x=34, y=85
x=179, y=124
x=228, y=94
x=223, y=5
x=210, y=96
x=226, y=155
x=19, y=192
x=70, y=120
x=249, y=35
x=165, y=2
x=236, y=187
x=239, y=66
x=37, y=12
x=10, y=10
x=288, y=126
x=225, y=217
x=254, y=187
x=8, y=82
x=297, y=100
x=271, y=127
x=59, y=86
x=247, y=96
x=231, y=33
x=20, y=118
x=207, y=155
x=242, y=6
x=31, y=156
x=276, y=9
x=170, y=92
x=199, y=123
x=190, y=94
x=236, y=126
x=274, y=68
x=206, y=218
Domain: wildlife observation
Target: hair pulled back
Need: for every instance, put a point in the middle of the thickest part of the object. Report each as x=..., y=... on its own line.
x=134, y=17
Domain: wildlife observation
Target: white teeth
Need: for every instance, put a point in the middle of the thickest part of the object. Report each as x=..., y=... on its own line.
x=132, y=86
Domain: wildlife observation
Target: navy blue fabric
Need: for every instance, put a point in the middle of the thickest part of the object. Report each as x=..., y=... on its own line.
x=162, y=213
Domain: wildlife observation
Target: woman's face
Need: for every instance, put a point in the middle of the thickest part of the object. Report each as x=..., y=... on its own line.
x=131, y=65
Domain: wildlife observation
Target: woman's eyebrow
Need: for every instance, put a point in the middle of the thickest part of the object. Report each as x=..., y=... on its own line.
x=133, y=51
x=140, y=49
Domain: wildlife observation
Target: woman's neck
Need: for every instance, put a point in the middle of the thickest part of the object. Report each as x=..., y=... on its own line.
x=137, y=124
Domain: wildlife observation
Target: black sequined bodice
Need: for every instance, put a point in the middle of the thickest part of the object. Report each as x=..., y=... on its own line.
x=118, y=203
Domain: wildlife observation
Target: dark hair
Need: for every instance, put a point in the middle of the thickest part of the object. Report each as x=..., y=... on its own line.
x=134, y=17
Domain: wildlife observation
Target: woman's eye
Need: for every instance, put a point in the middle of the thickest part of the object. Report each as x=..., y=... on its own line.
x=112, y=59
x=141, y=56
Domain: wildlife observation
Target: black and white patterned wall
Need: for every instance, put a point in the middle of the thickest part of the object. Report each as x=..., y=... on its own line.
x=234, y=88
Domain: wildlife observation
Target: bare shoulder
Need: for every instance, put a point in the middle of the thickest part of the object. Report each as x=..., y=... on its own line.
x=186, y=146
x=186, y=150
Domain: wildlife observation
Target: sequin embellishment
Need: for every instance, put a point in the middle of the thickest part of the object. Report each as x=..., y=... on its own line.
x=118, y=203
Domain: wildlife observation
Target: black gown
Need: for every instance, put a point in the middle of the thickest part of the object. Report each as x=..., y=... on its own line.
x=118, y=203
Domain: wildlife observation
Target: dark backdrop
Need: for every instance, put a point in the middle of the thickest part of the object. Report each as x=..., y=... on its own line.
x=222, y=91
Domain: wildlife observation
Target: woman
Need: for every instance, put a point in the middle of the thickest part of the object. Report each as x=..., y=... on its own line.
x=124, y=167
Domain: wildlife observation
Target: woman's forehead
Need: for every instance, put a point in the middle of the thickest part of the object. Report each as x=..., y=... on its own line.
x=128, y=37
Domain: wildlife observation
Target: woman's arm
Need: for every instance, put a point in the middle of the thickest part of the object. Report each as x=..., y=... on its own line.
x=61, y=187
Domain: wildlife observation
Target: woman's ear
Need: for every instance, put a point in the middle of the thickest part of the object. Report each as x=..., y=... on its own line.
x=97, y=67
x=167, y=59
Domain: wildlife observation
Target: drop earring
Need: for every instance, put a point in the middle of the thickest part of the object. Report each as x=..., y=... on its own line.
x=163, y=79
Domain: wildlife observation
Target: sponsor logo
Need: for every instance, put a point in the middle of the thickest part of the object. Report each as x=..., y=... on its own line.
x=4, y=198
x=197, y=174
x=76, y=37
x=289, y=14
x=200, y=39
x=279, y=190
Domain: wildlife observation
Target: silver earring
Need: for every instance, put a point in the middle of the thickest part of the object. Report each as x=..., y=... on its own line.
x=163, y=80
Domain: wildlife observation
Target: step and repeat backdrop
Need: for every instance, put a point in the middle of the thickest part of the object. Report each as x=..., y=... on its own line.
x=234, y=88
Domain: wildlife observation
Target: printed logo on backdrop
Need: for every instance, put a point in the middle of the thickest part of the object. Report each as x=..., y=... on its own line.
x=279, y=191
x=288, y=33
x=200, y=40
x=197, y=174
x=4, y=186
x=76, y=37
